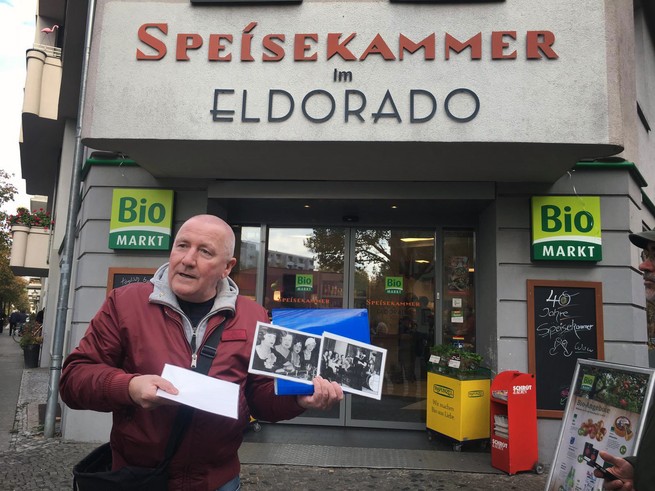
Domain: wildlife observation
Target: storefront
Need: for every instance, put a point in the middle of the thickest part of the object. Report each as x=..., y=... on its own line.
x=389, y=151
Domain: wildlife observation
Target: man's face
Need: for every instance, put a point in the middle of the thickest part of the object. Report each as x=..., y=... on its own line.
x=647, y=267
x=199, y=259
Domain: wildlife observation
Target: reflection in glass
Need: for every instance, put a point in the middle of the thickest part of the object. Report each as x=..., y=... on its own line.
x=246, y=251
x=458, y=316
x=304, y=268
x=394, y=280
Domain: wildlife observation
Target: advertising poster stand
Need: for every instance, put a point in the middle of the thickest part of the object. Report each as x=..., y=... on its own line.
x=606, y=410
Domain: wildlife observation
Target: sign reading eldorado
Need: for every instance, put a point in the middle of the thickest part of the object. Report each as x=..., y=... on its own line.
x=141, y=219
x=566, y=228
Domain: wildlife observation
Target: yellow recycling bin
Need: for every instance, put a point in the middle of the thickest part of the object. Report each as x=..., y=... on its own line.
x=458, y=408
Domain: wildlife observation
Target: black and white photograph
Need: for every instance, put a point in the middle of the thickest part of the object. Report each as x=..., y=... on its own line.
x=284, y=353
x=357, y=367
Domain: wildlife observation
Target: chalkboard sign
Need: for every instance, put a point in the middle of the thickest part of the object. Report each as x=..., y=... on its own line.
x=565, y=323
x=117, y=277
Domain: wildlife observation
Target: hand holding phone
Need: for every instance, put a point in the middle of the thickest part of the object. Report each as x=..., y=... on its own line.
x=607, y=475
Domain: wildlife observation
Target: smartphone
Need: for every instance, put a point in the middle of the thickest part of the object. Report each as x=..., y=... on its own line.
x=607, y=475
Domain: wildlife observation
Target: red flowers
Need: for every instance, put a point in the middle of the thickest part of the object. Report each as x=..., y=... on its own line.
x=35, y=218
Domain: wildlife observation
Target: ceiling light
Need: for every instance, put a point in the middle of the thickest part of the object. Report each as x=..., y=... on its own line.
x=417, y=239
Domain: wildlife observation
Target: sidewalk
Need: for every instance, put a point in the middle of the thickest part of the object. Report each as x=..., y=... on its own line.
x=280, y=457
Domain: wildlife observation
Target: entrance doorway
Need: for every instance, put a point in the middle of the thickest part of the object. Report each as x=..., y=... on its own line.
x=399, y=275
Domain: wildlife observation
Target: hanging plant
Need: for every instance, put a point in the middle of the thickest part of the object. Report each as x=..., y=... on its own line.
x=42, y=218
x=22, y=217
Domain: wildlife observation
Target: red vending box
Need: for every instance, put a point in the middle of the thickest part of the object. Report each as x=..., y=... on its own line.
x=514, y=423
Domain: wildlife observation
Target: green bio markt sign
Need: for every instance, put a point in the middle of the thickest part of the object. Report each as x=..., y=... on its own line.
x=141, y=219
x=566, y=228
x=304, y=282
x=393, y=285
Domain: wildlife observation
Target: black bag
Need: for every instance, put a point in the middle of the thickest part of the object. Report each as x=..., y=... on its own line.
x=93, y=473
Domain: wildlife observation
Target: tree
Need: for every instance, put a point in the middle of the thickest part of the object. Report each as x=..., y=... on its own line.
x=13, y=290
x=372, y=249
x=7, y=193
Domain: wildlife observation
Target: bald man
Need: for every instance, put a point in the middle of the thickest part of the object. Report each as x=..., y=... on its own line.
x=143, y=326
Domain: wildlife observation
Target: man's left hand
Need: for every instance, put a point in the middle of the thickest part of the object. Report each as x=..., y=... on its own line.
x=326, y=394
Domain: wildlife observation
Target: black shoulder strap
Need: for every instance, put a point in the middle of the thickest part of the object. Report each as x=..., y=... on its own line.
x=183, y=417
x=209, y=349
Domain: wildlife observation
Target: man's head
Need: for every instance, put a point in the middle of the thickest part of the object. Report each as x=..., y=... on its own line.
x=646, y=241
x=202, y=255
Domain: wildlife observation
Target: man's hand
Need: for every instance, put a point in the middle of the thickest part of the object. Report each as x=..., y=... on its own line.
x=622, y=469
x=326, y=394
x=143, y=391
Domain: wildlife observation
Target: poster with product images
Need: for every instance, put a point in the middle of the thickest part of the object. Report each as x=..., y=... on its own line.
x=457, y=270
x=605, y=411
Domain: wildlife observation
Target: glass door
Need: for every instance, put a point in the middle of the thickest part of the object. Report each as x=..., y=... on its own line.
x=410, y=281
x=305, y=270
x=394, y=278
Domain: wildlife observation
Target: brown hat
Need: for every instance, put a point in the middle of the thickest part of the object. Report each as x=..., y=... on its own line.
x=642, y=239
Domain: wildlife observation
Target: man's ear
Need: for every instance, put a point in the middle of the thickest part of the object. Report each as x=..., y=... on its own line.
x=228, y=268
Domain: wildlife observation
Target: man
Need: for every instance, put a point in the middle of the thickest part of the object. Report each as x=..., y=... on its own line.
x=15, y=319
x=140, y=327
x=638, y=473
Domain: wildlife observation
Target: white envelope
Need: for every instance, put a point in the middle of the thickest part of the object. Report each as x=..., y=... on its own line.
x=202, y=392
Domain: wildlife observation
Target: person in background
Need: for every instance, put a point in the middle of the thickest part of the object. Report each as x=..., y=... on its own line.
x=39, y=317
x=13, y=321
x=142, y=326
x=637, y=473
x=3, y=319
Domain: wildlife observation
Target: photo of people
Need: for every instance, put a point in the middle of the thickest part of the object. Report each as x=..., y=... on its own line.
x=284, y=353
x=357, y=367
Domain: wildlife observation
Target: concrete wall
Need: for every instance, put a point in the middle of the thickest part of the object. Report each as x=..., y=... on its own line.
x=645, y=82
x=92, y=260
x=624, y=316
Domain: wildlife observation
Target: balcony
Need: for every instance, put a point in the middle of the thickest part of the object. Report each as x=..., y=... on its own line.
x=51, y=90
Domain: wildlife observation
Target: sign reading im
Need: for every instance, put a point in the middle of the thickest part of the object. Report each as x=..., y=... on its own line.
x=566, y=228
x=141, y=219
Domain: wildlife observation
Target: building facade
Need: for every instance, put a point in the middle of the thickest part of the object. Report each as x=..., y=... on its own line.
x=390, y=151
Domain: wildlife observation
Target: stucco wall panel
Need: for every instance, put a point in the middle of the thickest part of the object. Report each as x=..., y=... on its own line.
x=570, y=109
x=512, y=354
x=512, y=319
x=513, y=246
x=624, y=323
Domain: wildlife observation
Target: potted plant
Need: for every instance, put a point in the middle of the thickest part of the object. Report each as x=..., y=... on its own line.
x=23, y=218
x=41, y=218
x=20, y=224
x=456, y=362
x=31, y=340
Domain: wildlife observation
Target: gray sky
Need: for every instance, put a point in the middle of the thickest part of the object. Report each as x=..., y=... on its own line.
x=16, y=36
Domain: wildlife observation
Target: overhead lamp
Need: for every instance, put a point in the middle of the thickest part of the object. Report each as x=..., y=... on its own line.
x=417, y=239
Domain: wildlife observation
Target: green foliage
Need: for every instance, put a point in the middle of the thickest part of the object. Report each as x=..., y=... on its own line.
x=13, y=290
x=22, y=217
x=470, y=363
x=35, y=218
x=623, y=390
x=32, y=334
x=7, y=193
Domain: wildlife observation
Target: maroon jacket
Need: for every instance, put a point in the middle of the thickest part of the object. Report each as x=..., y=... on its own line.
x=132, y=335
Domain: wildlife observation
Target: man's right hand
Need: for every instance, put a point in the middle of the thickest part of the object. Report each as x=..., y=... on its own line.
x=143, y=391
x=622, y=469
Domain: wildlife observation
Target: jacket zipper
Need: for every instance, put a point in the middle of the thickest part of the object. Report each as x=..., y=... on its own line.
x=194, y=351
